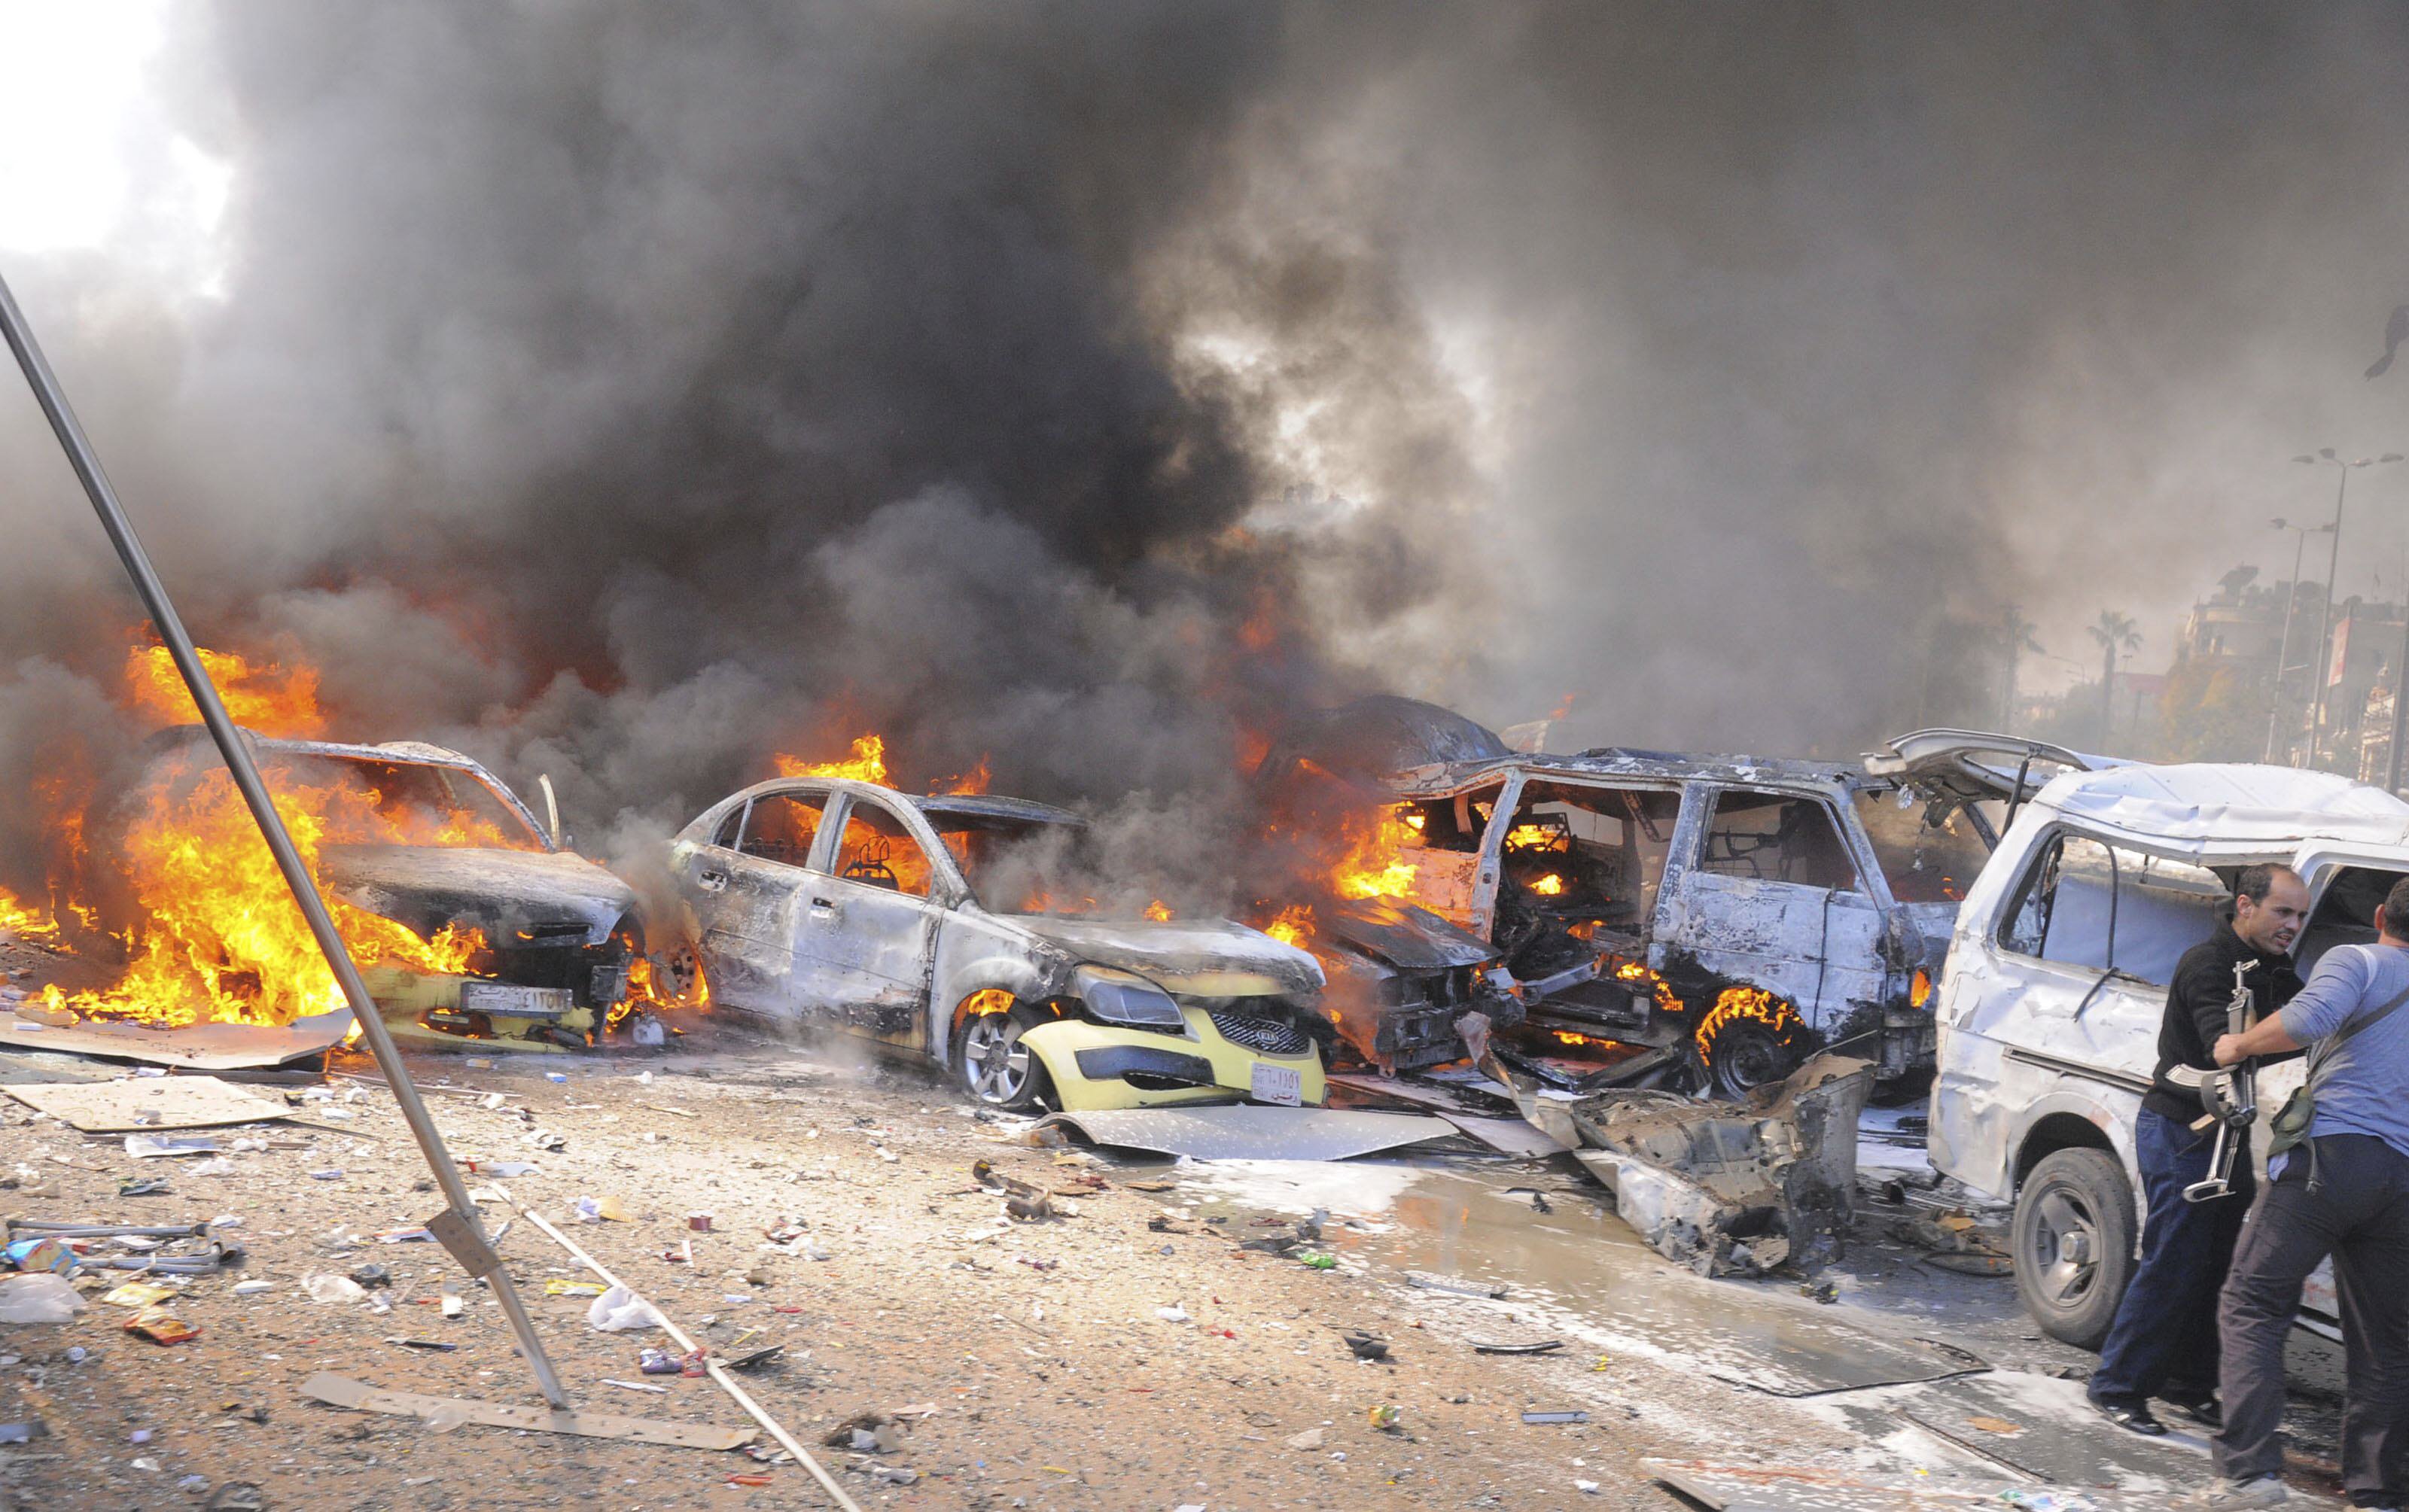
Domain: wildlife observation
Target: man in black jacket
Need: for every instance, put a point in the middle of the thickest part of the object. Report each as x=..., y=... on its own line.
x=2163, y=1343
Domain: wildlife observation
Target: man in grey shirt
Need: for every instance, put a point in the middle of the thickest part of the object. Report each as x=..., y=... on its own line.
x=2344, y=1192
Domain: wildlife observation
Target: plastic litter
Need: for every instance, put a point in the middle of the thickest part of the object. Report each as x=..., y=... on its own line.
x=1173, y=1314
x=556, y=1078
x=41, y=1297
x=216, y=1166
x=41, y=1255
x=138, y=1294
x=252, y=1289
x=620, y=1310
x=443, y=1417
x=143, y=1146
x=160, y=1326
x=373, y=1277
x=324, y=1288
x=143, y=1187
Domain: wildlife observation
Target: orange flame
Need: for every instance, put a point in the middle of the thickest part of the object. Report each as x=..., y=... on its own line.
x=1746, y=1002
x=1634, y=971
x=24, y=922
x=219, y=938
x=1549, y=885
x=866, y=763
x=1292, y=925
x=265, y=696
x=968, y=784
x=1159, y=911
x=1376, y=864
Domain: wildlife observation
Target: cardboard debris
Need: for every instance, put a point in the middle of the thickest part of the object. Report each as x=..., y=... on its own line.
x=117, y=1107
x=342, y=1391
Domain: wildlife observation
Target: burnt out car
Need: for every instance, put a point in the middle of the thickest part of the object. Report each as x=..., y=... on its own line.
x=1758, y=909
x=467, y=917
x=929, y=925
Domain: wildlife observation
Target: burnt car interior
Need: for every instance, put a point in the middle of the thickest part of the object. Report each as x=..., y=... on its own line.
x=418, y=804
x=776, y=827
x=1929, y=851
x=1776, y=837
x=1581, y=871
x=877, y=850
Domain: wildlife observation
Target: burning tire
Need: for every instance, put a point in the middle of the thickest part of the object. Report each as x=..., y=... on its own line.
x=1751, y=1039
x=991, y=1064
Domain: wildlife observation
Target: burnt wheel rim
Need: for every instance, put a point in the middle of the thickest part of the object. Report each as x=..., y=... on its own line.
x=2062, y=1253
x=995, y=1065
x=1745, y=1057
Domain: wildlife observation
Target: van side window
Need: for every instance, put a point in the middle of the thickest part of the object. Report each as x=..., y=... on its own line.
x=1773, y=837
x=2083, y=903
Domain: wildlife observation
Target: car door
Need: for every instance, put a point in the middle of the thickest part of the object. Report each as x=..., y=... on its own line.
x=869, y=920
x=744, y=885
x=1769, y=883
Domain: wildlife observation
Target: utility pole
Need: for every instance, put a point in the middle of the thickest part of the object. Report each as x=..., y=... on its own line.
x=2333, y=562
x=2301, y=534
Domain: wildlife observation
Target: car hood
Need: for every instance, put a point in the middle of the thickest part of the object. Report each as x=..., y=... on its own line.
x=1212, y=960
x=1404, y=936
x=518, y=897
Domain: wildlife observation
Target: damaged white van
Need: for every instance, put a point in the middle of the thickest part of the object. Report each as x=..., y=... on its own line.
x=2050, y=1003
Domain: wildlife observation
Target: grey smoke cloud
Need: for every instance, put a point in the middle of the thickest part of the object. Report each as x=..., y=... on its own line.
x=627, y=393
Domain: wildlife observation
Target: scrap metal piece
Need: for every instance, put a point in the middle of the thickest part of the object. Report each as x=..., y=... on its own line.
x=342, y=1391
x=1248, y=1131
x=1727, y=1188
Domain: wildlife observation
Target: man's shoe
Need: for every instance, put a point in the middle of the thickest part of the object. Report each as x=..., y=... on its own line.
x=2229, y=1496
x=2203, y=1410
x=2133, y=1416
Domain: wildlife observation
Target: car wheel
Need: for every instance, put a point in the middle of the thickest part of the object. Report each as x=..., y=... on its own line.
x=1746, y=1053
x=2073, y=1244
x=993, y=1066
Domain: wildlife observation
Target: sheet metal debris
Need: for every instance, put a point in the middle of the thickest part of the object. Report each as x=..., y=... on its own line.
x=1726, y=1187
x=1245, y=1131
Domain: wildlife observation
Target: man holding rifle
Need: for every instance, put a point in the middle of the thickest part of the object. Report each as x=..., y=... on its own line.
x=2163, y=1341
x=2340, y=1189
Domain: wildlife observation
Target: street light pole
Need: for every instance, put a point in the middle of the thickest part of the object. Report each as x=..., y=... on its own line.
x=2324, y=668
x=2301, y=534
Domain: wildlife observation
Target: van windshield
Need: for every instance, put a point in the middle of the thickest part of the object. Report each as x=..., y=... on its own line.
x=1924, y=860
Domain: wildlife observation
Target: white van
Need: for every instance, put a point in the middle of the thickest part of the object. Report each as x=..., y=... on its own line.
x=2050, y=1003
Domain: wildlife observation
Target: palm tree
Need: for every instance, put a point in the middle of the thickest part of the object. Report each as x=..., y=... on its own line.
x=2113, y=632
x=2019, y=633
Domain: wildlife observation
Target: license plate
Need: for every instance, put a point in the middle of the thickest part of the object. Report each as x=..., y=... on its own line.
x=512, y=1002
x=1279, y=1084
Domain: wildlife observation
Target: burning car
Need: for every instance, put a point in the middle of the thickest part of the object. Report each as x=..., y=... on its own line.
x=1753, y=909
x=467, y=919
x=921, y=923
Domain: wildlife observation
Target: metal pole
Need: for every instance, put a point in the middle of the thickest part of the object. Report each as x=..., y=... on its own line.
x=2284, y=657
x=239, y=766
x=2400, y=701
x=2324, y=620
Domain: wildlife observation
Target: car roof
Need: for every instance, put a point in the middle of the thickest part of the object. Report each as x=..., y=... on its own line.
x=977, y=811
x=2208, y=806
x=1624, y=761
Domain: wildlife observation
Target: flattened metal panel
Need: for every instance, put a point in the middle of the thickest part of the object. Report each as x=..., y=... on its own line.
x=147, y=1102
x=202, y=1046
x=1774, y=1488
x=1247, y=1132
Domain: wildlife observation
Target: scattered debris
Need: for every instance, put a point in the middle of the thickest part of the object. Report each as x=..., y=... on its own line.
x=1540, y=1347
x=1734, y=1188
x=1456, y=1286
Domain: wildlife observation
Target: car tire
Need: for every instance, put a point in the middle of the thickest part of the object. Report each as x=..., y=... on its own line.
x=2072, y=1239
x=1019, y=1083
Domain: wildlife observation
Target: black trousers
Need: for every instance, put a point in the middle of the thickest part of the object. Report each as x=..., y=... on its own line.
x=2359, y=1215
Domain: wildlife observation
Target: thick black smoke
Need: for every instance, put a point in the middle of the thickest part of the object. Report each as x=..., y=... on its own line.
x=628, y=392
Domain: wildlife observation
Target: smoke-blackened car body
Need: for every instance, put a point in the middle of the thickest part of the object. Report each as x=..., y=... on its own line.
x=1753, y=909
x=931, y=925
